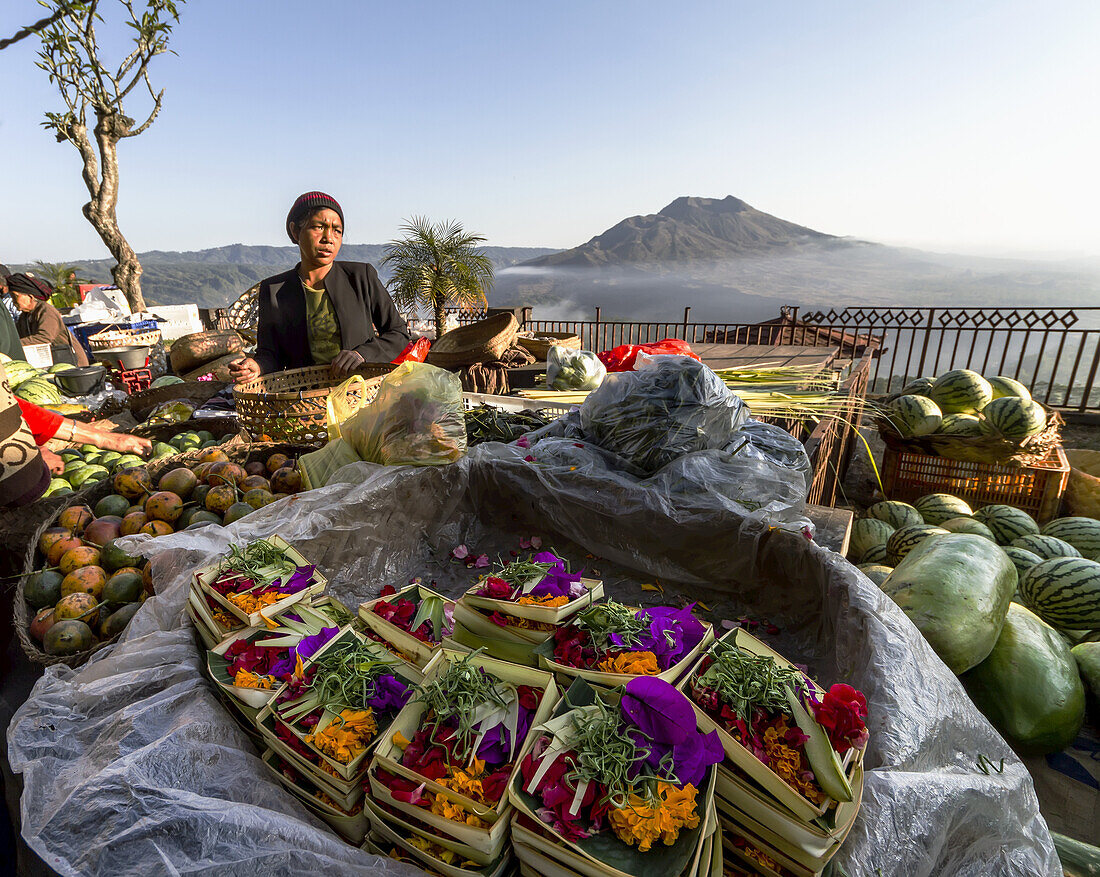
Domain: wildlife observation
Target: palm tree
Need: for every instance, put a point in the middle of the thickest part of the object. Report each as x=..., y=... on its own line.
x=438, y=266
x=63, y=279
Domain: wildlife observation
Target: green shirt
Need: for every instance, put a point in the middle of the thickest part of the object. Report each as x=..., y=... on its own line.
x=324, y=330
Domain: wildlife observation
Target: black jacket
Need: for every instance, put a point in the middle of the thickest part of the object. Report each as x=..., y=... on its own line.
x=369, y=322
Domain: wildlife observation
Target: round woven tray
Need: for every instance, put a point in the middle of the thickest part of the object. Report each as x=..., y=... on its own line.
x=292, y=406
x=241, y=452
x=163, y=432
x=539, y=347
x=192, y=392
x=483, y=341
x=992, y=449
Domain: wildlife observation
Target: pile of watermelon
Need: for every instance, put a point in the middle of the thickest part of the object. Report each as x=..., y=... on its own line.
x=1011, y=607
x=963, y=403
x=33, y=384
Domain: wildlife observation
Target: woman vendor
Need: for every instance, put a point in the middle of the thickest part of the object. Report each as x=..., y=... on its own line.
x=322, y=312
x=39, y=321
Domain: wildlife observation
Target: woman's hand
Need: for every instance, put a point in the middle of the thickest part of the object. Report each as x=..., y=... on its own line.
x=244, y=370
x=53, y=462
x=128, y=444
x=346, y=362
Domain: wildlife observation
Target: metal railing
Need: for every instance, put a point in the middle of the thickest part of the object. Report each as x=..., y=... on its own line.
x=1054, y=352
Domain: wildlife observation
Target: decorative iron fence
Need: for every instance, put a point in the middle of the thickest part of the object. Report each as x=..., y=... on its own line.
x=1053, y=351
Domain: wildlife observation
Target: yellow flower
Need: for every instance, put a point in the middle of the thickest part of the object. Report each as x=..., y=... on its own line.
x=400, y=740
x=436, y=851
x=441, y=806
x=632, y=663
x=250, y=603
x=345, y=736
x=643, y=824
x=544, y=600
x=246, y=679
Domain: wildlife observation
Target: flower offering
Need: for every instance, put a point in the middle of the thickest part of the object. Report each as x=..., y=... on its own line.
x=629, y=765
x=411, y=623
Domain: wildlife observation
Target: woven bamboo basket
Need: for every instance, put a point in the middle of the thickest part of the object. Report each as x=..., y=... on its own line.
x=238, y=452
x=539, y=346
x=980, y=449
x=163, y=432
x=483, y=341
x=125, y=338
x=244, y=314
x=192, y=392
x=292, y=406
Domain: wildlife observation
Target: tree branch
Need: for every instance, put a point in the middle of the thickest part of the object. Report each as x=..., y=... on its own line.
x=39, y=25
x=155, y=112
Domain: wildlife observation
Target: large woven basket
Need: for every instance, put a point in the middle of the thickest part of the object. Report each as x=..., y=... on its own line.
x=292, y=406
x=244, y=314
x=237, y=451
x=483, y=341
x=220, y=427
x=980, y=449
x=125, y=338
x=539, y=345
x=192, y=392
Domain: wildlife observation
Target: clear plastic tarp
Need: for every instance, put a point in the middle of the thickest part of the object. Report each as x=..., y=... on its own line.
x=132, y=767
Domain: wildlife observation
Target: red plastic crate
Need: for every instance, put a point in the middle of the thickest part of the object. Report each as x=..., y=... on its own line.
x=1037, y=489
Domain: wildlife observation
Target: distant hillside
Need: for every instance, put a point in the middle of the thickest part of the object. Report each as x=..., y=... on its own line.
x=216, y=277
x=689, y=230
x=731, y=262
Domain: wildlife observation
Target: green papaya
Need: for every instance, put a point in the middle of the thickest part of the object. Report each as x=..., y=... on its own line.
x=1029, y=686
x=956, y=590
x=1087, y=655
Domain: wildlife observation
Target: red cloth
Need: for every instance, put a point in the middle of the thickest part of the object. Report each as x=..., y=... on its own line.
x=43, y=424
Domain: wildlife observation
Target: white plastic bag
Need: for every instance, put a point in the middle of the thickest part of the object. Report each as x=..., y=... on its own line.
x=573, y=369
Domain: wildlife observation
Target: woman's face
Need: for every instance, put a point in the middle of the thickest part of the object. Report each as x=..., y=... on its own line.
x=23, y=302
x=320, y=238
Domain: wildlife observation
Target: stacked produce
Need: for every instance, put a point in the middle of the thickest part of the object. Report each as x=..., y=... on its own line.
x=1012, y=607
x=439, y=779
x=791, y=778
x=33, y=384
x=962, y=403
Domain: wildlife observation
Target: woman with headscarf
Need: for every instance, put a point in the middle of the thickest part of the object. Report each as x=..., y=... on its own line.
x=39, y=321
x=322, y=312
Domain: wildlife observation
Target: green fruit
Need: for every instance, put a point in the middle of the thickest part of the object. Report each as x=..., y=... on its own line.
x=936, y=508
x=111, y=557
x=1003, y=386
x=112, y=504
x=209, y=443
x=74, y=464
x=1088, y=661
x=956, y=589
x=961, y=391
x=58, y=487
x=1007, y=523
x=68, y=637
x=124, y=587
x=258, y=497
x=896, y=514
x=119, y=619
x=165, y=381
x=89, y=473
x=1029, y=686
x=43, y=588
x=876, y=572
x=237, y=511
x=914, y=415
x=70, y=454
x=199, y=493
x=1015, y=418
x=89, y=449
x=109, y=457
x=968, y=525
x=205, y=435
x=1046, y=546
x=203, y=516
x=163, y=449
x=128, y=461
x=866, y=534
x=1064, y=591
x=1082, y=533
x=902, y=541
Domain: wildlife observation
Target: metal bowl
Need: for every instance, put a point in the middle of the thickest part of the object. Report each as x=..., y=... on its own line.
x=132, y=356
x=81, y=381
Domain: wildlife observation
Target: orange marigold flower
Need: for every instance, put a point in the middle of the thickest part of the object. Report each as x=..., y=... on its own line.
x=247, y=679
x=346, y=736
x=441, y=806
x=643, y=824
x=632, y=663
x=250, y=603
x=544, y=600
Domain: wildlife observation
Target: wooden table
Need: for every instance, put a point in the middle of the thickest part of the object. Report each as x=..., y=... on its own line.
x=719, y=356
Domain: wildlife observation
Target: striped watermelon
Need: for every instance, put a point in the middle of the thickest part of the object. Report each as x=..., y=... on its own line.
x=936, y=508
x=1046, y=547
x=961, y=391
x=914, y=415
x=1003, y=386
x=876, y=572
x=960, y=424
x=904, y=540
x=1023, y=559
x=896, y=514
x=875, y=554
x=867, y=533
x=1007, y=523
x=1082, y=533
x=917, y=387
x=39, y=391
x=968, y=525
x=1015, y=418
x=1064, y=592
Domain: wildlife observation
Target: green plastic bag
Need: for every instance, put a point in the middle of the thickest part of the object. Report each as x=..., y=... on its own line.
x=318, y=467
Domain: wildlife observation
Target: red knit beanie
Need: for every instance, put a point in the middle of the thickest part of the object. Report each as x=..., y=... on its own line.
x=309, y=202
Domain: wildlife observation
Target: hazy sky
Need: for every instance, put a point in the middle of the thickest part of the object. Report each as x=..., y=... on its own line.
x=957, y=126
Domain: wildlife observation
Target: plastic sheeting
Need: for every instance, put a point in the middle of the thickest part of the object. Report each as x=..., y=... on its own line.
x=132, y=767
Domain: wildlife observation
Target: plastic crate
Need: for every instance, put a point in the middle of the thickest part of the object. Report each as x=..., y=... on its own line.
x=1037, y=489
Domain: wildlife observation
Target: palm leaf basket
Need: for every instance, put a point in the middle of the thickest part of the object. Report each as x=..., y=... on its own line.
x=239, y=452
x=979, y=449
x=539, y=344
x=244, y=314
x=483, y=341
x=292, y=406
x=163, y=432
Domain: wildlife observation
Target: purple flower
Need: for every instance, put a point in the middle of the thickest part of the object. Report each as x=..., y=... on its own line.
x=523, y=442
x=390, y=694
x=557, y=582
x=663, y=725
x=494, y=748
x=302, y=578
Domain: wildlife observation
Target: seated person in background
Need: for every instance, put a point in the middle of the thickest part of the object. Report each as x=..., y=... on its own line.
x=39, y=321
x=322, y=312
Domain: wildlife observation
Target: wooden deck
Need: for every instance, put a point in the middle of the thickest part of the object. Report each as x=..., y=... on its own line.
x=719, y=356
